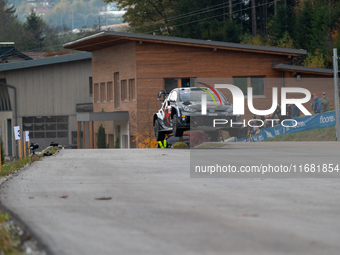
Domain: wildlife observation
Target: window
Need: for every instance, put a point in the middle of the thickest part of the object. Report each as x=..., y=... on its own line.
x=102, y=92
x=46, y=126
x=90, y=86
x=241, y=82
x=257, y=83
x=170, y=84
x=124, y=90
x=96, y=93
x=132, y=90
x=116, y=90
x=109, y=92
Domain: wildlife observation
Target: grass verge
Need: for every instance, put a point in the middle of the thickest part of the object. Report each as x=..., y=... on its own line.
x=323, y=134
x=9, y=241
x=210, y=145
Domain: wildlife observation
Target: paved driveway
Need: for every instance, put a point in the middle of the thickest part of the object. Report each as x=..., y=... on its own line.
x=156, y=208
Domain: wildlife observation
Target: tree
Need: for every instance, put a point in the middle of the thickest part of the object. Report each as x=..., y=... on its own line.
x=101, y=140
x=34, y=28
x=147, y=15
x=6, y=16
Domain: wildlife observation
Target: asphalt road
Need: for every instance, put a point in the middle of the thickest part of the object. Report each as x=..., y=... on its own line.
x=156, y=208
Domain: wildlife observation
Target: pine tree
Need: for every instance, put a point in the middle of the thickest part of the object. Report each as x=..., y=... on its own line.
x=101, y=143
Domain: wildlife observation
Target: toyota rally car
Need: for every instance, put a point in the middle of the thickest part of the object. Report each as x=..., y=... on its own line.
x=182, y=110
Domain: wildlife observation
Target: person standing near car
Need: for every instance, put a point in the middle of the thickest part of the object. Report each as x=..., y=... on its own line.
x=325, y=102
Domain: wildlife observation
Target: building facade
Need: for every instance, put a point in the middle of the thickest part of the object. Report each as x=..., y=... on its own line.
x=43, y=96
x=130, y=69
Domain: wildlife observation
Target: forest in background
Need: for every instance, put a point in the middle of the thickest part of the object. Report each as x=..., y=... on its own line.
x=302, y=24
x=313, y=25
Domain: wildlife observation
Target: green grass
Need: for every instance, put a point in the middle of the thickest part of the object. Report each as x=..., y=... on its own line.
x=210, y=145
x=323, y=134
x=9, y=242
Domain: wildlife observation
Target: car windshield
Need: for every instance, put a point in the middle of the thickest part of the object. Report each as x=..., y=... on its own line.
x=196, y=95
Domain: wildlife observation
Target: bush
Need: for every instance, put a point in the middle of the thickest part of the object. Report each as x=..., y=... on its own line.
x=101, y=143
x=180, y=145
x=196, y=138
x=117, y=143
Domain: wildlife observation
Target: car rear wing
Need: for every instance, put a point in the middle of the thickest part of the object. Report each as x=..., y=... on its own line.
x=162, y=95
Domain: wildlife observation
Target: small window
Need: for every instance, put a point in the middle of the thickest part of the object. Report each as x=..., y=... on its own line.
x=90, y=86
x=109, y=92
x=124, y=90
x=102, y=92
x=241, y=82
x=116, y=90
x=132, y=90
x=96, y=93
x=170, y=84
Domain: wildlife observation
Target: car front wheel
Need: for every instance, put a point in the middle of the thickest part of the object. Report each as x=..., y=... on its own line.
x=158, y=134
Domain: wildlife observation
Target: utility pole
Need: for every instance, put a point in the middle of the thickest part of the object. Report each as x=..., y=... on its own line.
x=336, y=94
x=253, y=18
x=275, y=7
x=230, y=10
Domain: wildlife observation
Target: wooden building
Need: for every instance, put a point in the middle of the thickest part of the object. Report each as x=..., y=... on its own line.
x=130, y=69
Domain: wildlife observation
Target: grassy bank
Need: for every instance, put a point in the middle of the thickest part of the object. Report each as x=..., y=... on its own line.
x=323, y=134
x=9, y=241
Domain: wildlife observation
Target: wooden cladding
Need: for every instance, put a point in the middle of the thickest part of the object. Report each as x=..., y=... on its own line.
x=115, y=91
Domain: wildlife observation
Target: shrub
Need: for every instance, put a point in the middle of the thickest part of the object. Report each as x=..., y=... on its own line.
x=117, y=143
x=180, y=145
x=196, y=138
x=101, y=137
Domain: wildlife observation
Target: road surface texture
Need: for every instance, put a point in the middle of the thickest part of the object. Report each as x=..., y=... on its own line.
x=156, y=208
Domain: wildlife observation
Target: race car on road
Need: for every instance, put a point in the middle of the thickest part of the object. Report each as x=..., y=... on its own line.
x=182, y=110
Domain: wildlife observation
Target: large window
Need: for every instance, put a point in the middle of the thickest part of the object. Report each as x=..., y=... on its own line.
x=124, y=90
x=46, y=126
x=132, y=90
x=241, y=82
x=102, y=92
x=116, y=90
x=109, y=91
x=256, y=82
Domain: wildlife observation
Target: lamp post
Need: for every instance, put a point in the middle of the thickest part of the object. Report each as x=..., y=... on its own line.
x=336, y=94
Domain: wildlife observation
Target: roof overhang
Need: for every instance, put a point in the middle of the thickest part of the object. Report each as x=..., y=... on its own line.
x=103, y=116
x=302, y=69
x=109, y=38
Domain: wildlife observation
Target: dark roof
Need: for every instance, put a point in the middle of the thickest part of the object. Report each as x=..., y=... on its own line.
x=111, y=38
x=6, y=52
x=302, y=69
x=45, y=61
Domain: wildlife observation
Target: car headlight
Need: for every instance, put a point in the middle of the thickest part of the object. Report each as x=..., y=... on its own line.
x=188, y=109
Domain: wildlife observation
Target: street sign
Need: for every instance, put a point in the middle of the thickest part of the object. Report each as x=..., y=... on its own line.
x=27, y=136
x=17, y=133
